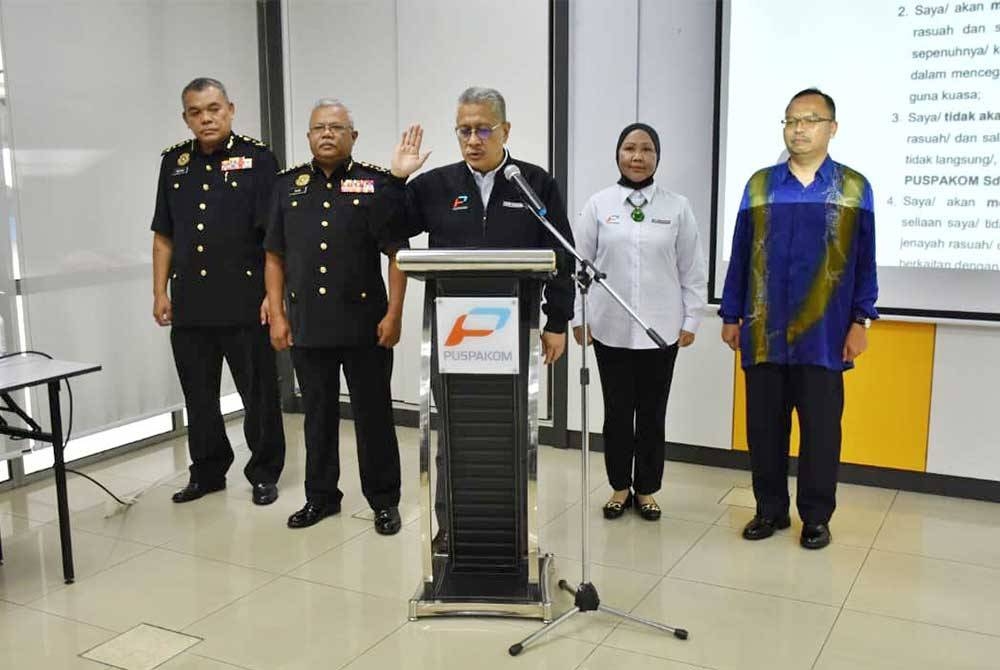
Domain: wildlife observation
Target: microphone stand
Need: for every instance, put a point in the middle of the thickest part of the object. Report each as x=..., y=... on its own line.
x=585, y=596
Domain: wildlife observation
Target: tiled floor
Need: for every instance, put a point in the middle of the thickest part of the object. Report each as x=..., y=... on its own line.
x=911, y=581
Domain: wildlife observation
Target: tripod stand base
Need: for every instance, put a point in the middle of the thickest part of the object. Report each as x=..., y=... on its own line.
x=586, y=599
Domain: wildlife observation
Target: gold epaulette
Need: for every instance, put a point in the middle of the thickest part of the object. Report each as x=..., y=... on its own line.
x=372, y=166
x=175, y=146
x=253, y=140
x=293, y=168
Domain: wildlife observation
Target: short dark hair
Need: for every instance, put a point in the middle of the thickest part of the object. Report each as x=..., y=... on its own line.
x=831, y=105
x=200, y=84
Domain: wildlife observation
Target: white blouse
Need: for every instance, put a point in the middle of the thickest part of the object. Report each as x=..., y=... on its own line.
x=656, y=265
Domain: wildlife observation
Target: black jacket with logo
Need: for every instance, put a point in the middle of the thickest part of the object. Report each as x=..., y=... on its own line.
x=330, y=232
x=445, y=203
x=213, y=208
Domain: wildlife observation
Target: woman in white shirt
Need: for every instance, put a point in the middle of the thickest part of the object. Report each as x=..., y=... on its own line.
x=646, y=239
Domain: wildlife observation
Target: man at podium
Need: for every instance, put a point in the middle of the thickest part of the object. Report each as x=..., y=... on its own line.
x=469, y=204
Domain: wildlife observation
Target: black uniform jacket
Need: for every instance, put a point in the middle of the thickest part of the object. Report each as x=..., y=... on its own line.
x=445, y=203
x=214, y=208
x=330, y=231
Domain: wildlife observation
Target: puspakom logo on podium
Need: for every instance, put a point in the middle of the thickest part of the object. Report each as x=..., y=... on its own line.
x=477, y=336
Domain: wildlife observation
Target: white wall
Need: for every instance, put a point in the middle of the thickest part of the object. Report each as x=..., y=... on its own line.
x=94, y=95
x=652, y=61
x=964, y=440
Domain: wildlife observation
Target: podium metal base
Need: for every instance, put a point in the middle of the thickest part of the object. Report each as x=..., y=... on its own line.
x=437, y=599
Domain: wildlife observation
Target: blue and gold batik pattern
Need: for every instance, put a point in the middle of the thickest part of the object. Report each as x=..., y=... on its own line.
x=802, y=267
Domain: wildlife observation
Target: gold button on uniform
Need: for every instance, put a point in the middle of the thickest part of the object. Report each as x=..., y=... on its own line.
x=329, y=185
x=208, y=168
x=176, y=185
x=204, y=273
x=326, y=204
x=357, y=202
x=325, y=224
x=322, y=245
x=233, y=183
x=322, y=290
x=200, y=248
x=200, y=226
x=204, y=187
x=322, y=269
x=249, y=273
x=363, y=295
x=201, y=205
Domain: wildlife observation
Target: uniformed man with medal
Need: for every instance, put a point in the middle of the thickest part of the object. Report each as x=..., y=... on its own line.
x=331, y=220
x=208, y=228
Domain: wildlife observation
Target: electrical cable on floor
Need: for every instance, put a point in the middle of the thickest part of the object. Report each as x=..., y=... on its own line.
x=99, y=484
x=69, y=430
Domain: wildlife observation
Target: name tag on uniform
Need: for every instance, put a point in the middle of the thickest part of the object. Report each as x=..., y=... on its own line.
x=514, y=205
x=614, y=218
x=665, y=222
x=301, y=190
x=357, y=185
x=237, y=163
x=179, y=171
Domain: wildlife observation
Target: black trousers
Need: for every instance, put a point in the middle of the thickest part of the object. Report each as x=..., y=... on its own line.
x=368, y=370
x=817, y=394
x=636, y=385
x=198, y=355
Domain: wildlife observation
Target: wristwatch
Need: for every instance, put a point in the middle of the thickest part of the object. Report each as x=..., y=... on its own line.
x=863, y=321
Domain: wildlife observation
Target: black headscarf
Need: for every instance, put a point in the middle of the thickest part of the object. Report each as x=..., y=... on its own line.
x=625, y=181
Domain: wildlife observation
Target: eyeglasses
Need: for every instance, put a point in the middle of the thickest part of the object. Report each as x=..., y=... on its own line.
x=807, y=122
x=465, y=132
x=335, y=128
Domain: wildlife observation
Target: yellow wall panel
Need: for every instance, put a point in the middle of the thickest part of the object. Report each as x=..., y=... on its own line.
x=887, y=399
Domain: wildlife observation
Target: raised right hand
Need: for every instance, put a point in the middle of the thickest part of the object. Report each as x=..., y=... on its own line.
x=407, y=159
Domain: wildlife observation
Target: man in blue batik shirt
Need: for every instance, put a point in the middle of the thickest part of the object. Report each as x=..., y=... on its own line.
x=798, y=299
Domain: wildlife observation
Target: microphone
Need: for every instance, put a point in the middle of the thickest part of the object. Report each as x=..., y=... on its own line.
x=513, y=174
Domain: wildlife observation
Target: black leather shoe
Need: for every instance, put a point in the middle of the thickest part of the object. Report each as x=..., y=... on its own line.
x=649, y=511
x=441, y=543
x=194, y=490
x=614, y=509
x=264, y=493
x=312, y=514
x=815, y=535
x=387, y=521
x=761, y=527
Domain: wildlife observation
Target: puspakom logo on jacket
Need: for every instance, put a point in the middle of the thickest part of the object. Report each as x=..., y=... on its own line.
x=496, y=317
x=461, y=202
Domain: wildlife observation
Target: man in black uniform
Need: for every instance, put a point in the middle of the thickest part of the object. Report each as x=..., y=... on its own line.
x=211, y=205
x=471, y=204
x=329, y=220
